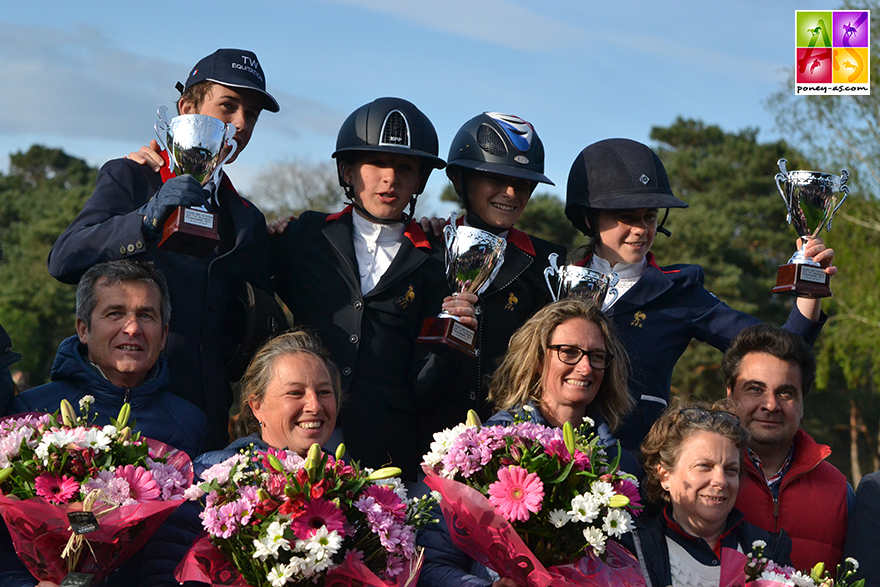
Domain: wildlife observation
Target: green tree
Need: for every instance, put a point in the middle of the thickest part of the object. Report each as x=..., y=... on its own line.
x=734, y=228
x=293, y=187
x=43, y=191
x=844, y=132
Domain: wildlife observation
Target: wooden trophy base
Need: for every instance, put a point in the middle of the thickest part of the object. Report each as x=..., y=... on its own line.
x=448, y=334
x=190, y=232
x=803, y=281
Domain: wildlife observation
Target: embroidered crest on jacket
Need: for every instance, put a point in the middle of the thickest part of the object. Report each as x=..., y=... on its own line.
x=404, y=300
x=512, y=301
x=638, y=318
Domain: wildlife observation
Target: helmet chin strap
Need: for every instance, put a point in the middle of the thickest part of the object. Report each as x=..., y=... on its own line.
x=662, y=229
x=404, y=218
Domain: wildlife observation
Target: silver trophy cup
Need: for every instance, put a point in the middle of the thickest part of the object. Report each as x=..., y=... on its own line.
x=473, y=258
x=194, y=143
x=572, y=280
x=811, y=198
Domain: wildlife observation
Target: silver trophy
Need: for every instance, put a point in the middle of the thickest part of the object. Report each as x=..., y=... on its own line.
x=811, y=198
x=195, y=143
x=572, y=280
x=473, y=258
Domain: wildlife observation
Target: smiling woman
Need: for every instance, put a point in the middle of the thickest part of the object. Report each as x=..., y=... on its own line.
x=693, y=462
x=290, y=395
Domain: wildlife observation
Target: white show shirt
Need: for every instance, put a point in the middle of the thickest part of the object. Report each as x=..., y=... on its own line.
x=375, y=246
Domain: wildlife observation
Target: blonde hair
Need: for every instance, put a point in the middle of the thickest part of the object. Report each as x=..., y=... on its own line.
x=662, y=445
x=518, y=379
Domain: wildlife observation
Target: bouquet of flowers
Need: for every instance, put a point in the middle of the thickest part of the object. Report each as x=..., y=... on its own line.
x=79, y=497
x=522, y=497
x=274, y=518
x=756, y=570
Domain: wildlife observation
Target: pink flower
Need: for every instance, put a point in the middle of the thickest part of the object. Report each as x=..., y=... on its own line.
x=318, y=513
x=556, y=448
x=56, y=490
x=629, y=489
x=516, y=493
x=141, y=485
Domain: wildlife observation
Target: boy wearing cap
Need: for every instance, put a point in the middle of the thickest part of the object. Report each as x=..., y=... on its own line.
x=124, y=218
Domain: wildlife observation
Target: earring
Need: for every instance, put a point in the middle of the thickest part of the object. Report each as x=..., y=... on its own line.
x=262, y=425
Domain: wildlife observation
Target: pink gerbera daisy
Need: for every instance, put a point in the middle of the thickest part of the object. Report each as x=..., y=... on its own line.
x=516, y=493
x=629, y=489
x=54, y=489
x=141, y=485
x=318, y=513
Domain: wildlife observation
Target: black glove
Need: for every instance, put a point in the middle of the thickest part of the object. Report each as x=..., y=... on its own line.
x=177, y=191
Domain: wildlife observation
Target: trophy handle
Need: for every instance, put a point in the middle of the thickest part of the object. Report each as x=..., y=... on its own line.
x=548, y=271
x=227, y=139
x=161, y=127
x=844, y=189
x=781, y=177
x=610, y=292
x=449, y=233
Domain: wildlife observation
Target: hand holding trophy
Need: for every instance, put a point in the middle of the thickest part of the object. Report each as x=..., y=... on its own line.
x=195, y=144
x=580, y=281
x=811, y=198
x=473, y=258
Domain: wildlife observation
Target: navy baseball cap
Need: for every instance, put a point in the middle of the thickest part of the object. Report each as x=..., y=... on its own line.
x=234, y=68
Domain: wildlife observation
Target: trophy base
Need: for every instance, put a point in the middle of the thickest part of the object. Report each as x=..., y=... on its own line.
x=448, y=334
x=190, y=232
x=803, y=281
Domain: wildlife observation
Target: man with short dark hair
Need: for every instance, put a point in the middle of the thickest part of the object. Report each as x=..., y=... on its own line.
x=122, y=314
x=768, y=371
x=125, y=215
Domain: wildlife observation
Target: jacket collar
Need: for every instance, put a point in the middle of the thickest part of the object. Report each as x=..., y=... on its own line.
x=413, y=231
x=734, y=519
x=806, y=456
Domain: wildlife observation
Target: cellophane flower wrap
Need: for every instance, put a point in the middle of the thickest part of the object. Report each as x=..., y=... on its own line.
x=756, y=570
x=274, y=518
x=534, y=503
x=51, y=465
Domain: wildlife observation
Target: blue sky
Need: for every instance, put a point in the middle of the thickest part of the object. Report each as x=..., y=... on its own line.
x=89, y=76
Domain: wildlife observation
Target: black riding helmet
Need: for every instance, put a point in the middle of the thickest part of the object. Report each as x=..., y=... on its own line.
x=389, y=125
x=617, y=174
x=497, y=143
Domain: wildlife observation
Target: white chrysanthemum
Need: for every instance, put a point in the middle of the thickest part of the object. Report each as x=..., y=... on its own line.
x=61, y=437
x=853, y=562
x=396, y=485
x=269, y=544
x=436, y=495
x=589, y=421
x=560, y=518
x=617, y=523
x=97, y=439
x=777, y=577
x=758, y=544
x=110, y=430
x=602, y=491
x=584, y=508
x=595, y=538
x=279, y=574
x=802, y=580
x=85, y=403
x=528, y=408
x=323, y=544
x=442, y=441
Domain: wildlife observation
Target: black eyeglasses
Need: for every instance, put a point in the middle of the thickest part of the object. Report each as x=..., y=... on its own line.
x=698, y=415
x=572, y=355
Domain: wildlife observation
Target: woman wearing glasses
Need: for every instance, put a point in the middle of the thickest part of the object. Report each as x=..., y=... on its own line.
x=565, y=363
x=693, y=460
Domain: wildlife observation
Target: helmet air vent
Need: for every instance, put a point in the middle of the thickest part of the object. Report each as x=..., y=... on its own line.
x=490, y=141
x=395, y=130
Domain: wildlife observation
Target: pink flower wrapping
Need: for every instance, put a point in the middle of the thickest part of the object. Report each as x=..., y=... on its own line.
x=205, y=563
x=40, y=529
x=481, y=532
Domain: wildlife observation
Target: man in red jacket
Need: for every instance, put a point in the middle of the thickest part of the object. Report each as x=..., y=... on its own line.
x=787, y=482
